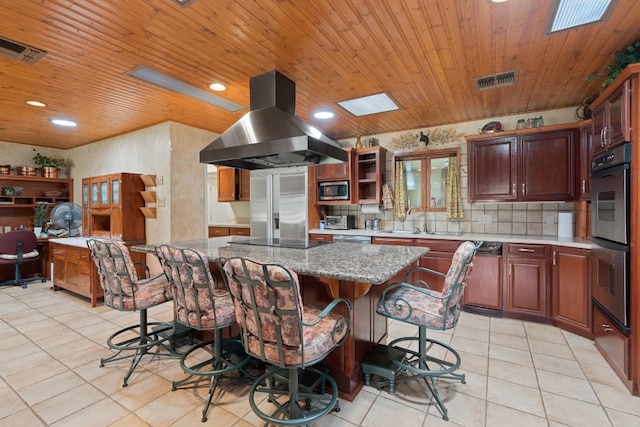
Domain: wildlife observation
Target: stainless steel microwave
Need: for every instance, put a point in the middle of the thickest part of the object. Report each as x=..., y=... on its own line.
x=333, y=190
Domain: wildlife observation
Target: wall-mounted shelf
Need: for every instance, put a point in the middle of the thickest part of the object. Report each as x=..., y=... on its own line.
x=149, y=196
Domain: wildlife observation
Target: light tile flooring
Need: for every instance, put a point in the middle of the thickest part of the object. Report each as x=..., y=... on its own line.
x=518, y=373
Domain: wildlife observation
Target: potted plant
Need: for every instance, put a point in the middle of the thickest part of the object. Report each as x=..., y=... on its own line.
x=41, y=211
x=49, y=165
x=623, y=57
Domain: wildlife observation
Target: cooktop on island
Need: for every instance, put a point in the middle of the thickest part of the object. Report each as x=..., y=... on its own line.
x=280, y=243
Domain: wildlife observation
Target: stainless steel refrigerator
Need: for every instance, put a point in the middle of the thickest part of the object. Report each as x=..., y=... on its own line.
x=279, y=205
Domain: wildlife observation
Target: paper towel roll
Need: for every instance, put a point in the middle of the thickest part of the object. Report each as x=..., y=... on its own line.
x=370, y=209
x=565, y=224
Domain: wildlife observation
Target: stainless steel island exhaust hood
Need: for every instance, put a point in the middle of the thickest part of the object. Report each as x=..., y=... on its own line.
x=270, y=135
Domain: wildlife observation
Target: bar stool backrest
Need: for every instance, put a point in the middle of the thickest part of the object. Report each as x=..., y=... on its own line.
x=198, y=300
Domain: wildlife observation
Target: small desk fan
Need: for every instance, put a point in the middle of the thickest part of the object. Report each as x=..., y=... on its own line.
x=68, y=216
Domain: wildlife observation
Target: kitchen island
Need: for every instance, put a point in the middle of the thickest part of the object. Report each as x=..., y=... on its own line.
x=358, y=273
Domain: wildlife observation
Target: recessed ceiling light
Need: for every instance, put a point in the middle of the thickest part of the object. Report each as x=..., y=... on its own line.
x=574, y=13
x=157, y=78
x=497, y=1
x=218, y=87
x=64, y=123
x=36, y=103
x=184, y=3
x=372, y=104
x=324, y=114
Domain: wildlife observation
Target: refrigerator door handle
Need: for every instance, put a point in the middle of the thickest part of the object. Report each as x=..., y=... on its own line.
x=276, y=220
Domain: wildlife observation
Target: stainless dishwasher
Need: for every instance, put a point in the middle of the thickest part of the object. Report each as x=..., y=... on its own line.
x=362, y=240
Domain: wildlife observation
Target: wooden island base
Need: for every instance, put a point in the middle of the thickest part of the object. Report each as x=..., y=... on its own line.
x=367, y=327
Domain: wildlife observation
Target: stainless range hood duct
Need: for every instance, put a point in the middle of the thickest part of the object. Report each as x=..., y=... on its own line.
x=270, y=135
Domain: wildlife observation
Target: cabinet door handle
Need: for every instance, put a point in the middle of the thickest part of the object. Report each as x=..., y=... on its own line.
x=602, y=137
x=554, y=257
x=523, y=188
x=606, y=327
x=584, y=185
x=525, y=250
x=513, y=188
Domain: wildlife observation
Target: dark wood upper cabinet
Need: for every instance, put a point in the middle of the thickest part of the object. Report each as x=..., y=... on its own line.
x=493, y=169
x=533, y=166
x=335, y=171
x=612, y=120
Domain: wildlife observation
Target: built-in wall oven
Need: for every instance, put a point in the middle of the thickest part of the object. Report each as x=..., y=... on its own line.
x=610, y=183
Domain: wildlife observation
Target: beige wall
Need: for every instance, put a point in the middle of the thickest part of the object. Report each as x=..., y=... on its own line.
x=187, y=184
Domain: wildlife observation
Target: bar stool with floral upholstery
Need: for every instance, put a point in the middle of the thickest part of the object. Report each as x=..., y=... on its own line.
x=413, y=302
x=124, y=291
x=278, y=329
x=202, y=305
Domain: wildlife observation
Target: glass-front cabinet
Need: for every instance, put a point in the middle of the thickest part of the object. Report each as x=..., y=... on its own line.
x=111, y=207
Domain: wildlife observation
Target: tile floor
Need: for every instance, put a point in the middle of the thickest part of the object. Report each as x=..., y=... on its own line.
x=518, y=373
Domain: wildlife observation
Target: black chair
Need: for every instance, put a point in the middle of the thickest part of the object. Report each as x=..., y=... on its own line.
x=18, y=248
x=124, y=291
x=202, y=305
x=278, y=329
x=413, y=302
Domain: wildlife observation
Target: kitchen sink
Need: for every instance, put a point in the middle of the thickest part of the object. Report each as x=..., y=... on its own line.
x=446, y=233
x=399, y=231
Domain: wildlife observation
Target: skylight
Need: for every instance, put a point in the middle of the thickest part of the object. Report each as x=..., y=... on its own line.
x=574, y=13
x=371, y=104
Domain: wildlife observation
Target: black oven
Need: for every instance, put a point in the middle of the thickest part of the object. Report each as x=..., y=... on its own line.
x=610, y=281
x=610, y=195
x=610, y=208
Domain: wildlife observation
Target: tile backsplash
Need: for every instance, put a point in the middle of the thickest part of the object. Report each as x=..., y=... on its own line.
x=533, y=219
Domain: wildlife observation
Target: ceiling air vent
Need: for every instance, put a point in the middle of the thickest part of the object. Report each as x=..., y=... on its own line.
x=496, y=80
x=20, y=52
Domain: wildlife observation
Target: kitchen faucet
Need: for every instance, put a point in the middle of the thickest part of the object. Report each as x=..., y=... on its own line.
x=424, y=225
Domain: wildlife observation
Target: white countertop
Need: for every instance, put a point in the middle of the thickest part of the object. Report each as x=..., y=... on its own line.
x=80, y=242
x=504, y=238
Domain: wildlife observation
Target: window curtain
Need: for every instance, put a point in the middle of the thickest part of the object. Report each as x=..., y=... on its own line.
x=454, y=200
x=400, y=190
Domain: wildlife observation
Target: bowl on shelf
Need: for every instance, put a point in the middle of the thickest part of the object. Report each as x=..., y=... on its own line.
x=5, y=169
x=52, y=193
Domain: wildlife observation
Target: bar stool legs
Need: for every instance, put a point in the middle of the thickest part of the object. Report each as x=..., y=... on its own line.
x=138, y=340
x=227, y=355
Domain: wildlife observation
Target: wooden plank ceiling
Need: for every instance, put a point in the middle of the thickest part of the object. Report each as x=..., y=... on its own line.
x=424, y=53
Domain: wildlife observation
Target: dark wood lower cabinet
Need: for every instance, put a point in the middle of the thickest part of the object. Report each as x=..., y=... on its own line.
x=527, y=291
x=484, y=286
x=613, y=344
x=571, y=291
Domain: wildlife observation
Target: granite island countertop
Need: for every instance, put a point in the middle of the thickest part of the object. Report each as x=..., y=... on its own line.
x=373, y=264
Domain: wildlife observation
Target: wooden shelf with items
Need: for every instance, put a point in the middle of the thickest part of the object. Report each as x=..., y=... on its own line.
x=369, y=174
x=149, y=196
x=19, y=195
